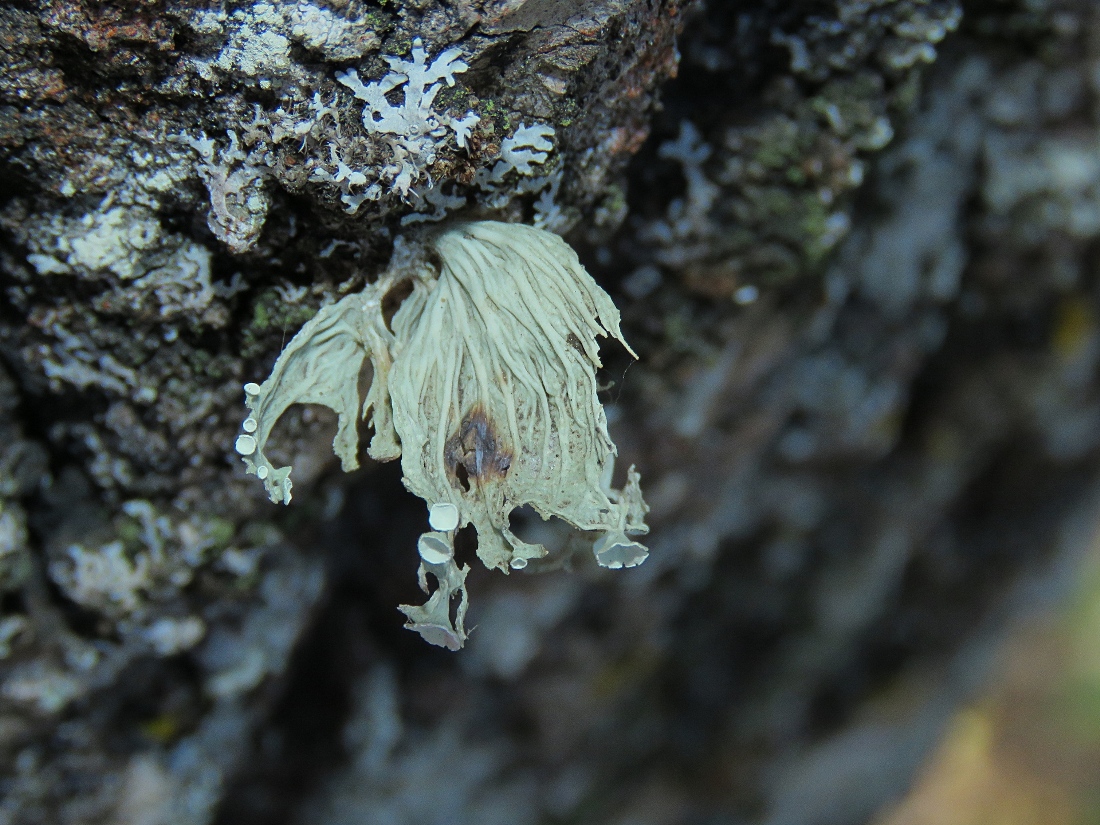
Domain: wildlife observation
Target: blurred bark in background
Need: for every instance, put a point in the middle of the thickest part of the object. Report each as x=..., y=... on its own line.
x=857, y=246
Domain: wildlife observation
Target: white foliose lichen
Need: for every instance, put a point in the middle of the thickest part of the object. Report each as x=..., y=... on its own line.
x=412, y=129
x=519, y=152
x=519, y=170
x=133, y=583
x=104, y=577
x=402, y=134
x=684, y=234
x=127, y=263
x=485, y=388
x=127, y=249
x=234, y=178
x=259, y=38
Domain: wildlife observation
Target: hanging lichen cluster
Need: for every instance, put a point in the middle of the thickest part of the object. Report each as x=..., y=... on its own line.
x=485, y=388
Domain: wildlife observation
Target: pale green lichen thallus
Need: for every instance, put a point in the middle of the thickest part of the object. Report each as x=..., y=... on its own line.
x=486, y=389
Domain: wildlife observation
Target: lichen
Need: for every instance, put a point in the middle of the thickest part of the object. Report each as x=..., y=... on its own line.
x=258, y=38
x=126, y=249
x=412, y=130
x=485, y=388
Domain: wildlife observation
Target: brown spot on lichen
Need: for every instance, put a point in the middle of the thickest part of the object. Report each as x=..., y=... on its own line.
x=476, y=453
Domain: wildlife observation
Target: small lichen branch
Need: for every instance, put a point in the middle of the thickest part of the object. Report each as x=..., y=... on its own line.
x=412, y=129
x=486, y=389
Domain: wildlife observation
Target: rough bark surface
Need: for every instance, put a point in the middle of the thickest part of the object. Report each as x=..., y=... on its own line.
x=854, y=242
